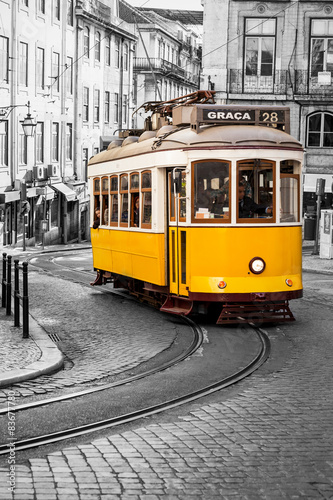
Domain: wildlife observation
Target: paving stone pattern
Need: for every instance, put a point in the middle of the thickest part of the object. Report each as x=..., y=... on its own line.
x=272, y=439
x=11, y=342
x=100, y=334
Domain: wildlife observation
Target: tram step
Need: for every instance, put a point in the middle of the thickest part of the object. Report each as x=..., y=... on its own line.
x=177, y=305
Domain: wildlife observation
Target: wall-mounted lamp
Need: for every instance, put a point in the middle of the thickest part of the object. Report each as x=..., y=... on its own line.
x=28, y=124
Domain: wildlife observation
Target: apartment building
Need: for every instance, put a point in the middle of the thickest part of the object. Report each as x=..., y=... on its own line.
x=167, y=60
x=277, y=52
x=68, y=63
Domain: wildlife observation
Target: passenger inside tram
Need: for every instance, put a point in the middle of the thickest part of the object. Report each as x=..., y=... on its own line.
x=247, y=207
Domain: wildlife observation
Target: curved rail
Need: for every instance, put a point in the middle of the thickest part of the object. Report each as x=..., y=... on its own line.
x=195, y=345
x=145, y=412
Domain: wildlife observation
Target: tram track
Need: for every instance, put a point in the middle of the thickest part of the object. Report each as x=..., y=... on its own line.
x=30, y=442
x=125, y=418
x=198, y=338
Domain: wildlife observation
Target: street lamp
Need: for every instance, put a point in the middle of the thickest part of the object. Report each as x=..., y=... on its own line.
x=29, y=125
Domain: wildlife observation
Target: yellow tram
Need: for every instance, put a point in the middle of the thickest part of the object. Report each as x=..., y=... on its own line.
x=218, y=220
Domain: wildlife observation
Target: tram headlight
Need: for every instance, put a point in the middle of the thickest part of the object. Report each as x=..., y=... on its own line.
x=257, y=265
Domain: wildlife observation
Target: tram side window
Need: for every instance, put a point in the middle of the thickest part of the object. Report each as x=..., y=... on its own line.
x=211, y=190
x=96, y=190
x=289, y=198
x=114, y=201
x=135, y=200
x=124, y=200
x=255, y=189
x=290, y=191
x=105, y=201
x=146, y=199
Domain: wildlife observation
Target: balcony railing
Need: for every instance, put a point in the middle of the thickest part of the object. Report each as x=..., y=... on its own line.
x=94, y=7
x=240, y=83
x=160, y=65
x=312, y=85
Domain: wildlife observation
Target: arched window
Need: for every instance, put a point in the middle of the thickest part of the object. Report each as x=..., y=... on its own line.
x=97, y=46
x=86, y=41
x=320, y=130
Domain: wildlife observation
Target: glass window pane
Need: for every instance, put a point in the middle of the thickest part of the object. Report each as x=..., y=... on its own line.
x=319, y=27
x=289, y=196
x=268, y=27
x=315, y=122
x=146, y=204
x=314, y=139
x=96, y=185
x=267, y=56
x=328, y=140
x=124, y=208
x=317, y=56
x=255, y=189
x=328, y=122
x=114, y=208
x=146, y=180
x=114, y=183
x=124, y=183
x=211, y=190
x=135, y=181
x=105, y=184
x=251, y=56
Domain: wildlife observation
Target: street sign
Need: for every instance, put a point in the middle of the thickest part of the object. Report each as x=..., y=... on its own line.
x=320, y=187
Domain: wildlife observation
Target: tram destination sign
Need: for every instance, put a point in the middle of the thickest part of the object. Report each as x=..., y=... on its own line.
x=271, y=116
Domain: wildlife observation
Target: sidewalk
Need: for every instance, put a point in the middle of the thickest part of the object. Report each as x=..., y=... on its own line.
x=25, y=359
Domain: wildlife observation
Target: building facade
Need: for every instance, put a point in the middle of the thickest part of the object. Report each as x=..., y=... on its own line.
x=167, y=60
x=279, y=52
x=70, y=62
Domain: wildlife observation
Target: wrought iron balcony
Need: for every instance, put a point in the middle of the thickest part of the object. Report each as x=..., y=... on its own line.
x=160, y=65
x=240, y=83
x=94, y=7
x=307, y=85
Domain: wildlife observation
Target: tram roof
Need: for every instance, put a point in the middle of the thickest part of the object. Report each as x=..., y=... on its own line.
x=171, y=138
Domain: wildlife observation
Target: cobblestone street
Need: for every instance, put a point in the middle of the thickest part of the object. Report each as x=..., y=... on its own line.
x=268, y=438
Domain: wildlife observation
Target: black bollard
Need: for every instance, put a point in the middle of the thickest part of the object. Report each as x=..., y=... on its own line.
x=25, y=301
x=16, y=293
x=4, y=277
x=9, y=286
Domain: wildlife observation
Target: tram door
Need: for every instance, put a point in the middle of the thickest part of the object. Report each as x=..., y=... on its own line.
x=177, y=233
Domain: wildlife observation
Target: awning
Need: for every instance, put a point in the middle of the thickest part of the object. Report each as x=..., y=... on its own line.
x=310, y=181
x=8, y=196
x=40, y=191
x=69, y=194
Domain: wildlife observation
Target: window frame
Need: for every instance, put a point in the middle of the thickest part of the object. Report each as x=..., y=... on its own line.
x=40, y=142
x=97, y=98
x=97, y=52
x=321, y=131
x=55, y=142
x=297, y=177
x=134, y=192
x=216, y=220
x=86, y=42
x=113, y=193
x=85, y=105
x=105, y=196
x=96, y=195
x=4, y=59
x=23, y=64
x=123, y=192
x=146, y=225
x=256, y=220
x=40, y=68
